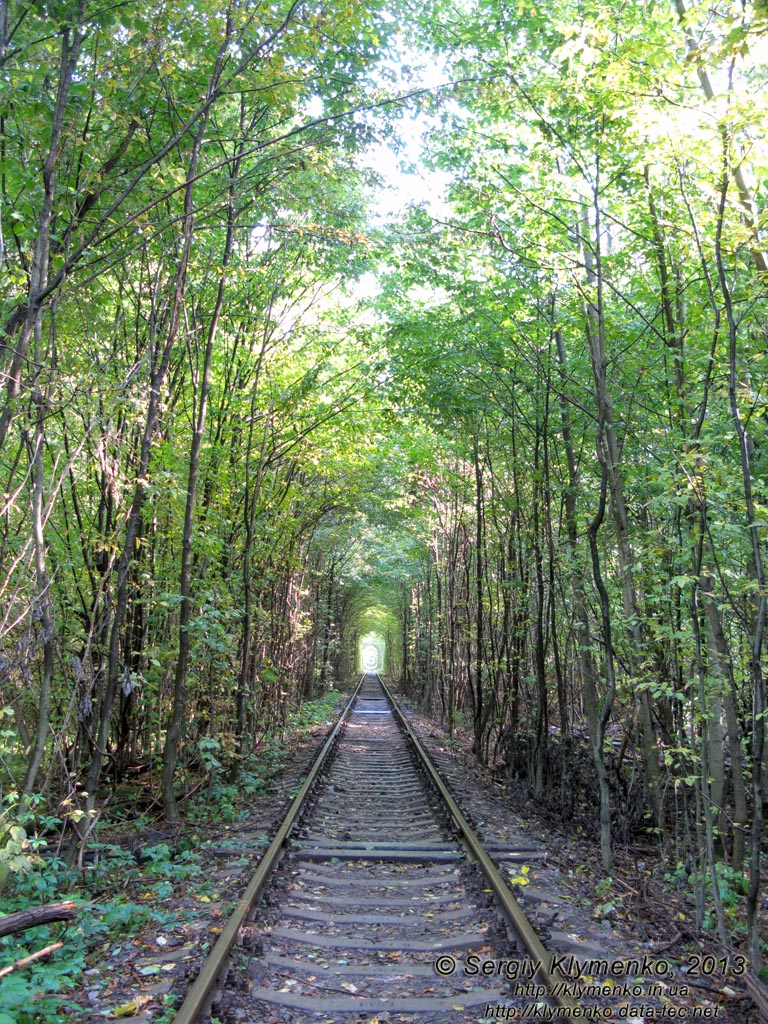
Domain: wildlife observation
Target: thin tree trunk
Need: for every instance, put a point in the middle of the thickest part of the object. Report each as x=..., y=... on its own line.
x=161, y=363
x=705, y=783
x=71, y=41
x=580, y=603
x=719, y=653
x=755, y=629
x=478, y=710
x=720, y=660
x=581, y=612
x=539, y=752
x=44, y=604
x=608, y=454
x=601, y=725
x=178, y=710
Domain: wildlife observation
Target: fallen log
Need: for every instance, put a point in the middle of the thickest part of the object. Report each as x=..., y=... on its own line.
x=35, y=916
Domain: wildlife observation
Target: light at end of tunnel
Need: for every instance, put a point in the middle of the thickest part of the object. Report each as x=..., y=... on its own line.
x=371, y=653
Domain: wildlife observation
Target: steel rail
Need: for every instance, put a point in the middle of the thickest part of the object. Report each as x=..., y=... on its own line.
x=203, y=985
x=534, y=947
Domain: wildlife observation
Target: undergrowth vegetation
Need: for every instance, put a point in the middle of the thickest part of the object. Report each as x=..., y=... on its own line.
x=130, y=879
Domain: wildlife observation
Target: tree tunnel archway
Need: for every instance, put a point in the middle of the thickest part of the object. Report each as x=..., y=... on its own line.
x=371, y=653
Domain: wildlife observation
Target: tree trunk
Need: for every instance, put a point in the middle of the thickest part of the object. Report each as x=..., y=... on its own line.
x=706, y=723
x=477, y=682
x=161, y=361
x=720, y=660
x=26, y=325
x=606, y=851
x=756, y=628
x=581, y=610
x=178, y=710
x=44, y=603
x=609, y=457
x=540, y=736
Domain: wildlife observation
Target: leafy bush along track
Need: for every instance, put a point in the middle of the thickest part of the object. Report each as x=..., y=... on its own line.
x=379, y=910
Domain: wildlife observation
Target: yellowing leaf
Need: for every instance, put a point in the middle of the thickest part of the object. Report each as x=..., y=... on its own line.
x=126, y=1010
x=132, y=1008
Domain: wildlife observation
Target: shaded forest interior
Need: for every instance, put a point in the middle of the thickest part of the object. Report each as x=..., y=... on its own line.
x=423, y=337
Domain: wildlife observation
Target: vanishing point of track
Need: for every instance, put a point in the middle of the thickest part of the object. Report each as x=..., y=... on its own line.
x=385, y=902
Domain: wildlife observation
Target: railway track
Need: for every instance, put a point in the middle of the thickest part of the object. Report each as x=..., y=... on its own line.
x=385, y=906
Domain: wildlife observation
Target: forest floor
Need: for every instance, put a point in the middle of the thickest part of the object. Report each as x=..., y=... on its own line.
x=142, y=976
